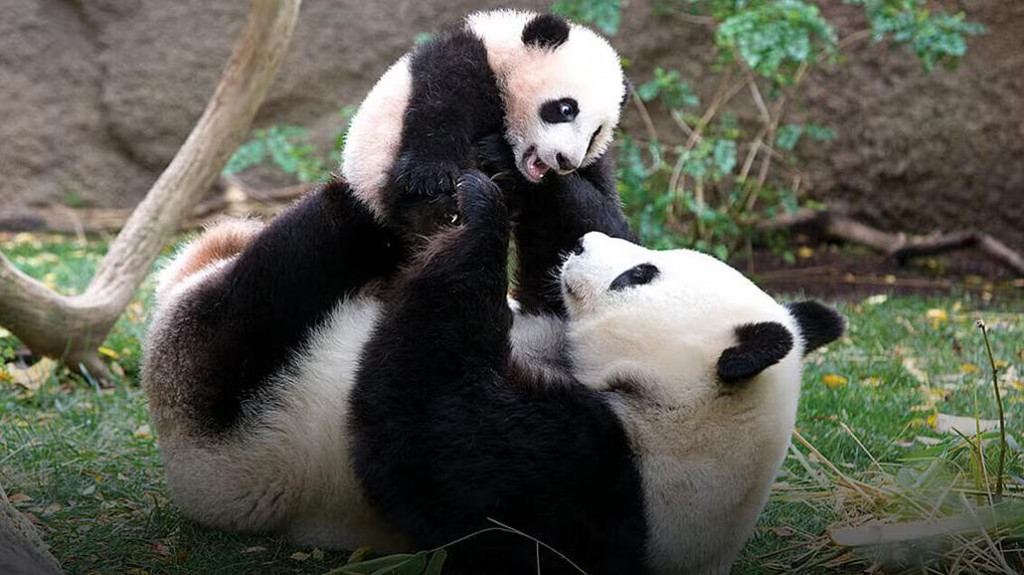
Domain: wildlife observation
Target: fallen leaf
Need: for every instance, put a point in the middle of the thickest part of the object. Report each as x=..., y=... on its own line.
x=143, y=432
x=89, y=490
x=108, y=352
x=877, y=299
x=910, y=364
x=834, y=381
x=969, y=368
x=19, y=498
x=945, y=423
x=784, y=531
x=937, y=316
x=300, y=556
x=928, y=440
x=255, y=549
x=805, y=252
x=871, y=381
x=33, y=377
x=51, y=509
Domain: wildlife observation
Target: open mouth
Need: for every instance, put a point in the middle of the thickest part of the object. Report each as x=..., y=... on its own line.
x=533, y=167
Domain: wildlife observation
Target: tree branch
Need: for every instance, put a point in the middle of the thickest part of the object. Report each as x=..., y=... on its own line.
x=71, y=327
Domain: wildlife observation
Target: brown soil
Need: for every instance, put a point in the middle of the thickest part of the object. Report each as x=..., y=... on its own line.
x=848, y=273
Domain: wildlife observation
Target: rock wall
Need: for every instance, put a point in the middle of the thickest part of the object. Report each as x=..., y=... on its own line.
x=97, y=95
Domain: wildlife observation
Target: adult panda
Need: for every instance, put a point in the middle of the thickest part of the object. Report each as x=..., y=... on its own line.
x=546, y=91
x=636, y=427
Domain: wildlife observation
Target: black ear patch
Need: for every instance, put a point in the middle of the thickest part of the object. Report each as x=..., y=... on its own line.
x=546, y=31
x=761, y=345
x=819, y=324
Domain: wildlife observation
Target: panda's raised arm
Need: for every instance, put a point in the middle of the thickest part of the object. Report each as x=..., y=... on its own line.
x=451, y=306
x=550, y=218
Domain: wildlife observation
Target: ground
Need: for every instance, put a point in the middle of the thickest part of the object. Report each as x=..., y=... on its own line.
x=83, y=461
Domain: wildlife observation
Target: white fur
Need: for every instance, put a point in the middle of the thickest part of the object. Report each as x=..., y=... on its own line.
x=585, y=68
x=375, y=134
x=708, y=459
x=291, y=470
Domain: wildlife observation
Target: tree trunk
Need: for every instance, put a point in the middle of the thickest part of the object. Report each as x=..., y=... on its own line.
x=72, y=327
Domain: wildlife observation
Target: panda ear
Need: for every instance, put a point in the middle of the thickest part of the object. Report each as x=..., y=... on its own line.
x=819, y=324
x=546, y=31
x=761, y=345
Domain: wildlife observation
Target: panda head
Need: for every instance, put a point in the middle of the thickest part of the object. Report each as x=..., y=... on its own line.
x=679, y=327
x=562, y=85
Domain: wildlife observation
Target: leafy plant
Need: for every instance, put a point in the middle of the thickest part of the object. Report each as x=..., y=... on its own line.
x=711, y=191
x=605, y=14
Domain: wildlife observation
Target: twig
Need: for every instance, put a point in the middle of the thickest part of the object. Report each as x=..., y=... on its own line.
x=1002, y=418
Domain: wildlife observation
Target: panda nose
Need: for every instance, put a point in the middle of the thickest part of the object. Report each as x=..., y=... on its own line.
x=578, y=249
x=563, y=163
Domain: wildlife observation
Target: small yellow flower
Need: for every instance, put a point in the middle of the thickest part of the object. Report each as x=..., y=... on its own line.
x=834, y=381
x=969, y=368
x=804, y=252
x=933, y=419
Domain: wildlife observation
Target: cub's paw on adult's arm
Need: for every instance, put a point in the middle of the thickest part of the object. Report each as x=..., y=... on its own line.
x=480, y=199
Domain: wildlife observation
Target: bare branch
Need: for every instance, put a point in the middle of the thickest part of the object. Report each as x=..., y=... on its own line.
x=71, y=327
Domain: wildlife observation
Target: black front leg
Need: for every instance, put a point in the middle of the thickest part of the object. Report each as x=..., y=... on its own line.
x=549, y=220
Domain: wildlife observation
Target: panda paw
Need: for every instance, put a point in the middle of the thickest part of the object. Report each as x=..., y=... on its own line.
x=495, y=157
x=425, y=197
x=480, y=200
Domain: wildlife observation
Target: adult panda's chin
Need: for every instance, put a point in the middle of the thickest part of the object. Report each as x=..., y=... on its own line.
x=532, y=167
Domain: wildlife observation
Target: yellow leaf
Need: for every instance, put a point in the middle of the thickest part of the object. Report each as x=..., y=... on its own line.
x=108, y=352
x=969, y=368
x=804, y=252
x=33, y=377
x=1018, y=385
x=937, y=316
x=834, y=381
x=933, y=419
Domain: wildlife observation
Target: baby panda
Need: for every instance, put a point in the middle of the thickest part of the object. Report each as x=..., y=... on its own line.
x=304, y=380
x=541, y=93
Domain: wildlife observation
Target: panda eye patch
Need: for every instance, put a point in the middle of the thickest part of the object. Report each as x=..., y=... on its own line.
x=635, y=276
x=559, y=111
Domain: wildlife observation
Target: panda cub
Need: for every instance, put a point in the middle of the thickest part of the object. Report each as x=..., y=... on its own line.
x=306, y=379
x=535, y=89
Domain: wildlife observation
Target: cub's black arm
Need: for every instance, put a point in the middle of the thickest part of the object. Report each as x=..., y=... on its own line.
x=251, y=316
x=454, y=99
x=550, y=217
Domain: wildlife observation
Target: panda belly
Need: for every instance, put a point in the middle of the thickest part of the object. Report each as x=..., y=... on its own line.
x=287, y=469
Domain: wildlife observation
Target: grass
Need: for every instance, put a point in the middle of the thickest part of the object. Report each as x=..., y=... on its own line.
x=84, y=464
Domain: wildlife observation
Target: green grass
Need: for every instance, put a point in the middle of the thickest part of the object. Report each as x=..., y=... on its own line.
x=95, y=482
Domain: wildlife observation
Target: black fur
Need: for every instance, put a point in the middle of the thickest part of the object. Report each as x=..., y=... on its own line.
x=448, y=433
x=819, y=324
x=761, y=345
x=454, y=102
x=635, y=276
x=241, y=325
x=548, y=31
